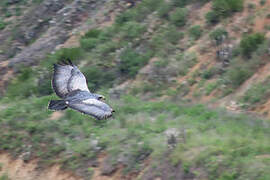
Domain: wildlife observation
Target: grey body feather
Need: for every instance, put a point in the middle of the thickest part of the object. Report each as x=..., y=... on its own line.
x=71, y=86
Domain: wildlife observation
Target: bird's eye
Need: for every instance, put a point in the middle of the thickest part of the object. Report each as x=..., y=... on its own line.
x=101, y=98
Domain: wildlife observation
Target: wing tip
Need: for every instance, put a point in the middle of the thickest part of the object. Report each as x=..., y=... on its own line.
x=70, y=62
x=65, y=62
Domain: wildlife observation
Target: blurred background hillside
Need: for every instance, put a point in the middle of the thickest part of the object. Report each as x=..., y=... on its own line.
x=188, y=79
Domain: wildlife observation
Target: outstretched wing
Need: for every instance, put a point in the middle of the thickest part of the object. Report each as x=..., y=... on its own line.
x=66, y=78
x=93, y=107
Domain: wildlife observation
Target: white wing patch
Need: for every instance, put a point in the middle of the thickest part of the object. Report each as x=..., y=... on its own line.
x=78, y=82
x=92, y=101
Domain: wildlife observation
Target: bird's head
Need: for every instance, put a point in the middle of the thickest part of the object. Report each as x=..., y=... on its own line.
x=101, y=98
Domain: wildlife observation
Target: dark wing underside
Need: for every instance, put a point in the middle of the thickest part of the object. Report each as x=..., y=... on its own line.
x=93, y=107
x=66, y=78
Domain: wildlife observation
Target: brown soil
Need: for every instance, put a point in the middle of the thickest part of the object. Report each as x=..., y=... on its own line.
x=56, y=115
x=98, y=174
x=258, y=77
x=5, y=75
x=235, y=27
x=17, y=169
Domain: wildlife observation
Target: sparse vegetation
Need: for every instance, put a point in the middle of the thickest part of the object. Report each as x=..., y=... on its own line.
x=209, y=73
x=2, y=24
x=93, y=33
x=251, y=6
x=225, y=8
x=179, y=16
x=4, y=177
x=258, y=93
x=173, y=35
x=88, y=43
x=164, y=10
x=131, y=30
x=186, y=61
x=195, y=32
x=131, y=62
x=250, y=43
x=262, y=2
x=210, y=87
x=211, y=17
x=218, y=35
x=139, y=139
x=211, y=143
x=222, y=9
x=238, y=74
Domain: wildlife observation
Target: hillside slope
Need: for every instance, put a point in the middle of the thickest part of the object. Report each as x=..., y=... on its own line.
x=155, y=60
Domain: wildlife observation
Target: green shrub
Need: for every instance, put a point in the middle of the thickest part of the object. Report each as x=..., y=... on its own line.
x=38, y=1
x=18, y=11
x=173, y=35
x=195, y=32
x=251, y=6
x=107, y=47
x=131, y=62
x=238, y=74
x=161, y=39
x=212, y=17
x=141, y=11
x=164, y=10
x=257, y=93
x=179, y=16
x=2, y=24
x=250, y=43
x=69, y=53
x=88, y=43
x=132, y=29
x=262, y=2
x=90, y=39
x=223, y=8
x=44, y=85
x=161, y=63
x=152, y=5
x=125, y=17
x=218, y=35
x=186, y=61
x=23, y=86
x=93, y=33
x=180, y=3
x=236, y=5
x=158, y=41
x=98, y=77
x=210, y=87
x=209, y=73
x=4, y=177
x=108, y=33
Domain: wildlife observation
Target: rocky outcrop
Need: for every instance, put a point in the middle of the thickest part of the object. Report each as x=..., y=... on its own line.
x=53, y=29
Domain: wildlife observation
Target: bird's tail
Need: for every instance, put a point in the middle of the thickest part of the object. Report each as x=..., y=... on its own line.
x=57, y=105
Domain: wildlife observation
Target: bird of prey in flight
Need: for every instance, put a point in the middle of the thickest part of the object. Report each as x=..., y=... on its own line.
x=70, y=85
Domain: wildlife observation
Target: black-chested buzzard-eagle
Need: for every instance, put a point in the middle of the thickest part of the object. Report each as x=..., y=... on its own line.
x=70, y=85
